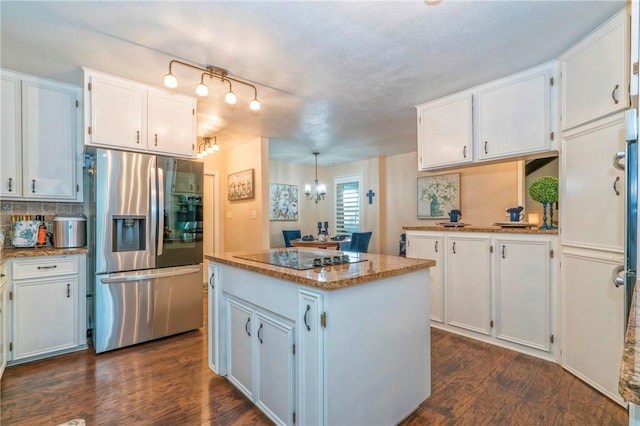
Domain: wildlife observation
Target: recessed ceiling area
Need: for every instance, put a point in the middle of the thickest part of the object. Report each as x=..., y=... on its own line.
x=340, y=78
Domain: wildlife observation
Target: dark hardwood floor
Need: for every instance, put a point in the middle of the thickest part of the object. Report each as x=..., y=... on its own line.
x=168, y=382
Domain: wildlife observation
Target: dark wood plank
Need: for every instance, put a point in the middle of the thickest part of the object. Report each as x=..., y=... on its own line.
x=168, y=382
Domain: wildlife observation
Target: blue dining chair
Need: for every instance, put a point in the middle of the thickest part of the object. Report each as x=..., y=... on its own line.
x=360, y=242
x=291, y=235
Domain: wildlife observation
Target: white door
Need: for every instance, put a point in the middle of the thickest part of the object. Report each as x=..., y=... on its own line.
x=171, y=123
x=592, y=201
x=240, y=330
x=468, y=263
x=593, y=321
x=45, y=316
x=431, y=247
x=49, y=133
x=523, y=292
x=275, y=353
x=11, y=138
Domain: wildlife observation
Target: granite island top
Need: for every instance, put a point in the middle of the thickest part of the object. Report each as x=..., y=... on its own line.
x=9, y=253
x=474, y=228
x=334, y=277
x=629, y=385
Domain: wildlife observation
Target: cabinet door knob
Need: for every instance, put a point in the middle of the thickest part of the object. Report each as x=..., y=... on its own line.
x=615, y=185
x=246, y=326
x=259, y=330
x=305, y=318
x=613, y=94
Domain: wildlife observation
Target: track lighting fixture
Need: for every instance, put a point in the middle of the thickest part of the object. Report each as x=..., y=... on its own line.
x=221, y=74
x=205, y=148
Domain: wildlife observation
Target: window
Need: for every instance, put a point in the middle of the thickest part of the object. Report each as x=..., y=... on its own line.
x=347, y=204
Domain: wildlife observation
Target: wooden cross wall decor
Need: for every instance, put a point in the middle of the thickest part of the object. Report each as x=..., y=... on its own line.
x=371, y=194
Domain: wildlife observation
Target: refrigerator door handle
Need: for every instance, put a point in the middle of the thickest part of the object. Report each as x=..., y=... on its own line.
x=160, y=210
x=617, y=158
x=172, y=272
x=616, y=279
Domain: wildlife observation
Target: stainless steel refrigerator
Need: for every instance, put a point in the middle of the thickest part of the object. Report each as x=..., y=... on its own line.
x=145, y=231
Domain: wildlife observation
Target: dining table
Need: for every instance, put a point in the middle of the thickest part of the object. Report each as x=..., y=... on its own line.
x=327, y=244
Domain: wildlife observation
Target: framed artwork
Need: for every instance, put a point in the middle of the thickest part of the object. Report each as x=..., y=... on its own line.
x=438, y=195
x=240, y=185
x=283, y=201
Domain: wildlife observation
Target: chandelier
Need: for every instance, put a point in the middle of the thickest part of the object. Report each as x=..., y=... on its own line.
x=320, y=189
x=205, y=148
x=211, y=71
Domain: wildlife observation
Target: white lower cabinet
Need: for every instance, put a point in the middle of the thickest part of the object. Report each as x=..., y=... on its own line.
x=431, y=247
x=499, y=288
x=309, y=352
x=261, y=358
x=49, y=306
x=212, y=318
x=468, y=266
x=4, y=341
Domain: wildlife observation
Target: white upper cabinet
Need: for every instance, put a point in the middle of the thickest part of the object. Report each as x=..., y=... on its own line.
x=514, y=116
x=595, y=74
x=41, y=153
x=125, y=114
x=445, y=132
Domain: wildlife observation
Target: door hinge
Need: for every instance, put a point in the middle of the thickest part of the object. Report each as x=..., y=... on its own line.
x=490, y=249
x=635, y=68
x=77, y=103
x=10, y=295
x=551, y=81
x=89, y=130
x=11, y=347
x=491, y=323
x=89, y=86
x=323, y=320
x=294, y=348
x=551, y=339
x=294, y=417
x=551, y=253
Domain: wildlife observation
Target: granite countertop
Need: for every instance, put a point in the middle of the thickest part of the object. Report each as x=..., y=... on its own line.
x=474, y=228
x=375, y=267
x=629, y=385
x=9, y=253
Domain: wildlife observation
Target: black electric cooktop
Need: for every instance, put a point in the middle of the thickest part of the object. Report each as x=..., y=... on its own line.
x=301, y=260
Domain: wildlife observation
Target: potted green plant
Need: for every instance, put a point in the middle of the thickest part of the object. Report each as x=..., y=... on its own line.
x=545, y=190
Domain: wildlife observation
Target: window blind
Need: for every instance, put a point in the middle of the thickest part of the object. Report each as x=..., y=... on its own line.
x=347, y=207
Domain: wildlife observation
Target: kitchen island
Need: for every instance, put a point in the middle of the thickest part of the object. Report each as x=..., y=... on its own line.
x=343, y=343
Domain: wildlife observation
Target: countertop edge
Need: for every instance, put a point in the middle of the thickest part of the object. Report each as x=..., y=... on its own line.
x=334, y=284
x=492, y=229
x=12, y=253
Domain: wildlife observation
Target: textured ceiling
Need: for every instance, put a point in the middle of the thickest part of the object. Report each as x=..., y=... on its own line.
x=341, y=78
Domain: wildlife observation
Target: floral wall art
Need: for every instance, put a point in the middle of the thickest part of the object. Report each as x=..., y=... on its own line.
x=438, y=195
x=283, y=202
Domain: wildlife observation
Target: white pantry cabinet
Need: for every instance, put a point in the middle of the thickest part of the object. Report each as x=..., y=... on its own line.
x=41, y=153
x=592, y=189
x=514, y=115
x=261, y=358
x=468, y=266
x=49, y=306
x=595, y=73
x=120, y=113
x=431, y=247
x=445, y=132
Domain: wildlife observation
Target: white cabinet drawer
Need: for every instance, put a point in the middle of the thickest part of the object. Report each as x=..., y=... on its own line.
x=45, y=267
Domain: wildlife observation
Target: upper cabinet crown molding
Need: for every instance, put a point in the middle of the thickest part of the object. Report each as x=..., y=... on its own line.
x=595, y=77
x=512, y=117
x=121, y=113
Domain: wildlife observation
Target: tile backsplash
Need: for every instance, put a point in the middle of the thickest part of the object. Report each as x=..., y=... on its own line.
x=46, y=208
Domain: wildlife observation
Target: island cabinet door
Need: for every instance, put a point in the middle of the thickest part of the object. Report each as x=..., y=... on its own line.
x=425, y=246
x=468, y=263
x=275, y=361
x=309, y=358
x=212, y=318
x=240, y=329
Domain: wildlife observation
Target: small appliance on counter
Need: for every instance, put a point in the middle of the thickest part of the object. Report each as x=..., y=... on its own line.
x=69, y=231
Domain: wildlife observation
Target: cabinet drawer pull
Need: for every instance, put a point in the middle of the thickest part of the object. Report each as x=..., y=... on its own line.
x=486, y=151
x=10, y=184
x=48, y=267
x=615, y=185
x=156, y=142
x=454, y=247
x=464, y=152
x=503, y=256
x=33, y=186
x=246, y=326
x=613, y=94
x=137, y=136
x=305, y=318
x=211, y=281
x=436, y=246
x=259, y=330
x=68, y=290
